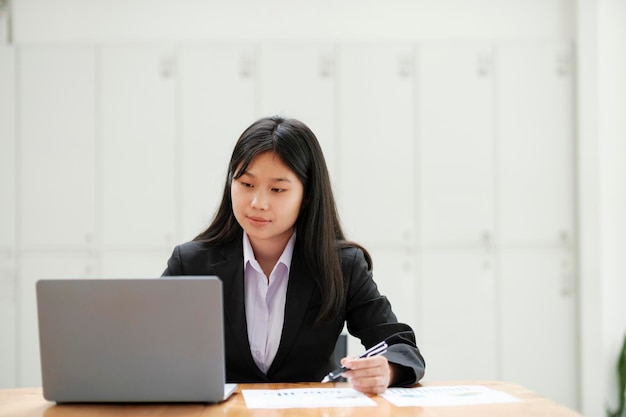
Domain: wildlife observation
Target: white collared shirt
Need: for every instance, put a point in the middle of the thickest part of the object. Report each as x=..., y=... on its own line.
x=265, y=302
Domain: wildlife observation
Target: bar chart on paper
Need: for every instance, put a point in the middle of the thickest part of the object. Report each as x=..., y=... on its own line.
x=446, y=396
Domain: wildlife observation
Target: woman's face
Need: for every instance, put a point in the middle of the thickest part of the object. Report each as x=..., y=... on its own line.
x=266, y=201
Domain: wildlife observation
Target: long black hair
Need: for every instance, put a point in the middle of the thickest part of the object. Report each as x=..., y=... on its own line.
x=318, y=230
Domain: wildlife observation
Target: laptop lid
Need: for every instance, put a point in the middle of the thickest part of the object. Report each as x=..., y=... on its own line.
x=132, y=340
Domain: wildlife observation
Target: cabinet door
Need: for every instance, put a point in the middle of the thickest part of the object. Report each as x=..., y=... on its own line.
x=455, y=161
x=536, y=143
x=7, y=151
x=138, y=149
x=7, y=322
x=299, y=81
x=394, y=274
x=375, y=137
x=33, y=267
x=133, y=264
x=458, y=302
x=217, y=103
x=538, y=322
x=56, y=122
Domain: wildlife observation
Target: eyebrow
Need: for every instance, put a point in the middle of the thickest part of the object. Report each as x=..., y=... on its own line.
x=277, y=179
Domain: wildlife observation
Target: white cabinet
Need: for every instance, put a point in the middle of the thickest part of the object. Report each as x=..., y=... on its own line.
x=137, y=153
x=33, y=267
x=535, y=123
x=217, y=103
x=375, y=143
x=299, y=80
x=452, y=163
x=459, y=320
x=538, y=310
x=495, y=158
x=454, y=118
x=56, y=123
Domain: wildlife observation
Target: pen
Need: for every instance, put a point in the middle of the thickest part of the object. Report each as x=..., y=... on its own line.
x=378, y=349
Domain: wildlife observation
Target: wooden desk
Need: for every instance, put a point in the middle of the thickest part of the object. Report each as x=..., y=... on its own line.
x=29, y=402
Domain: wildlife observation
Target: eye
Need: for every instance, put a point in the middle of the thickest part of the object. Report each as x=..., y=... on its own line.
x=245, y=184
x=278, y=190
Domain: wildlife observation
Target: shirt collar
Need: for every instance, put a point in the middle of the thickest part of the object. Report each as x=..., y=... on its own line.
x=285, y=257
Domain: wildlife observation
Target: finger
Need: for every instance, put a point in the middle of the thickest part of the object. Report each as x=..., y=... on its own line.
x=370, y=376
x=346, y=360
x=363, y=363
x=370, y=385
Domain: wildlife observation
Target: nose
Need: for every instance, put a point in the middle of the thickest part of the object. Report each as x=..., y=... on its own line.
x=260, y=200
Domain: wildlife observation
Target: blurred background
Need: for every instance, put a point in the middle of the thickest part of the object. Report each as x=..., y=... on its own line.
x=477, y=149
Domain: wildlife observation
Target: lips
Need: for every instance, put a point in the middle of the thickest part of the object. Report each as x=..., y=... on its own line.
x=258, y=221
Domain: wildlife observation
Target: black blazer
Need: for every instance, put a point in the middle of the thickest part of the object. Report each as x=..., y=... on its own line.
x=305, y=352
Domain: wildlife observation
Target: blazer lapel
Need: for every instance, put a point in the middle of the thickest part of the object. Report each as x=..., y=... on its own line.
x=299, y=290
x=230, y=271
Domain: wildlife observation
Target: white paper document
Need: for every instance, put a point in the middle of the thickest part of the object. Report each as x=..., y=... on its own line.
x=446, y=396
x=306, y=398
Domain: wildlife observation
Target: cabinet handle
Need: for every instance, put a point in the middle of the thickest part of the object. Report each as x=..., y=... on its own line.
x=563, y=64
x=326, y=66
x=486, y=239
x=405, y=66
x=246, y=63
x=167, y=66
x=567, y=279
x=483, y=64
x=486, y=264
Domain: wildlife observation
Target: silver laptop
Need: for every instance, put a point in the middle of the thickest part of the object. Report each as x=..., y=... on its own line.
x=132, y=340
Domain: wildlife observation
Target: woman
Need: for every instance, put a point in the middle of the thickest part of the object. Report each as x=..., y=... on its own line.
x=290, y=279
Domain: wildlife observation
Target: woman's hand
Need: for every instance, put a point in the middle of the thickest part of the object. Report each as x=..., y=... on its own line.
x=369, y=375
